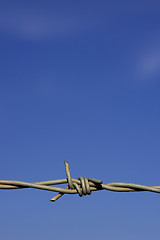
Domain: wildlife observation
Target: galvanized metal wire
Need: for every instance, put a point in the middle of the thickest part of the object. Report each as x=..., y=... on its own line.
x=82, y=186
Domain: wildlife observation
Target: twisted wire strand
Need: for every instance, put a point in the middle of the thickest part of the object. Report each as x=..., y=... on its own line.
x=82, y=186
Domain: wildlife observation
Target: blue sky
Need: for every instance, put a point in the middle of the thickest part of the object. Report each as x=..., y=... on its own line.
x=80, y=81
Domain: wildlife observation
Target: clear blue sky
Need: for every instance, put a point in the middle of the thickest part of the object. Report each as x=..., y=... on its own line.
x=80, y=80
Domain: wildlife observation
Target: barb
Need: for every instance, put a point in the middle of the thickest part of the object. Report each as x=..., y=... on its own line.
x=82, y=186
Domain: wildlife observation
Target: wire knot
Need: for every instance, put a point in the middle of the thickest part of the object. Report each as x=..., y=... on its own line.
x=81, y=185
x=84, y=183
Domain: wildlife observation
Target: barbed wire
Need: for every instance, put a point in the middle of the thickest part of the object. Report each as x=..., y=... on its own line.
x=82, y=186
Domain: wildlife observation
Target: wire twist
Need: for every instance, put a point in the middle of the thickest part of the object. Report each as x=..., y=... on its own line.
x=82, y=186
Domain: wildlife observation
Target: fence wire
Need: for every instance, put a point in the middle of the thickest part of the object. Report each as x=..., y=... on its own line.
x=82, y=186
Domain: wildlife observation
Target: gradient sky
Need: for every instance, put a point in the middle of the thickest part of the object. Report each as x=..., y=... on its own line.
x=80, y=81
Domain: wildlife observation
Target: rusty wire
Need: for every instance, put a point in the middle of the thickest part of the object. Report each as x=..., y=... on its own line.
x=82, y=186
